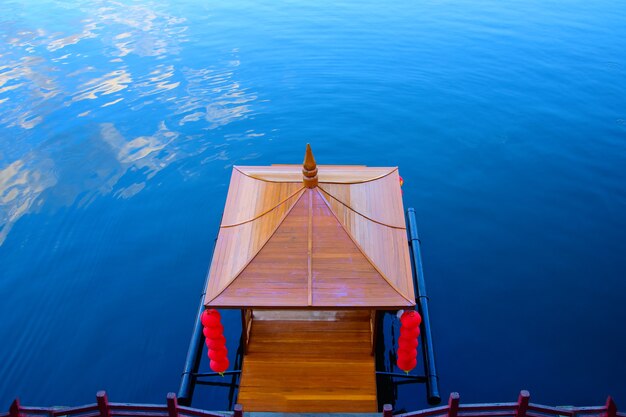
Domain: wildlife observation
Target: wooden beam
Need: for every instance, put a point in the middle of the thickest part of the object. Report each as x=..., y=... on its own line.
x=310, y=250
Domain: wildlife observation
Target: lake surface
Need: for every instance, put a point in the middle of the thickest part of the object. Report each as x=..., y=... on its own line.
x=120, y=122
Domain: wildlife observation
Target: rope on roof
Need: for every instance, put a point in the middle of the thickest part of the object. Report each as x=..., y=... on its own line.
x=359, y=213
x=265, y=212
x=380, y=272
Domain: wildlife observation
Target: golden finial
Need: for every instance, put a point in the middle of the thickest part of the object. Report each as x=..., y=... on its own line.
x=309, y=169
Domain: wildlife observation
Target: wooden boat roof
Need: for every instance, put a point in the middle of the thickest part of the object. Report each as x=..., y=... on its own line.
x=312, y=236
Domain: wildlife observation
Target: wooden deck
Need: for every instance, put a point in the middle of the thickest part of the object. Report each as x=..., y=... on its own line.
x=316, y=363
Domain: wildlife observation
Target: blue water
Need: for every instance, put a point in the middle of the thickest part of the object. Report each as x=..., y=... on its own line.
x=120, y=122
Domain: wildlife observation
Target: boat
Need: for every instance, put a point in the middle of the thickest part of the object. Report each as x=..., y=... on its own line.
x=312, y=256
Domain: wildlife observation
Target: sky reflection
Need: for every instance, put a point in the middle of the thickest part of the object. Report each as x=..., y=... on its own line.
x=112, y=64
x=20, y=187
x=214, y=96
x=110, y=83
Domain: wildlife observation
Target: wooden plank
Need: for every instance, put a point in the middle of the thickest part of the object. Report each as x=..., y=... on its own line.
x=277, y=276
x=342, y=275
x=237, y=246
x=386, y=247
x=374, y=326
x=310, y=366
x=310, y=315
x=380, y=200
x=249, y=198
x=246, y=328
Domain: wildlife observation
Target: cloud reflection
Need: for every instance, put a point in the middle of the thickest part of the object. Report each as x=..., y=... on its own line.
x=20, y=187
x=29, y=78
x=146, y=32
x=158, y=81
x=88, y=32
x=214, y=96
x=142, y=151
x=109, y=83
x=24, y=89
x=107, y=95
x=110, y=157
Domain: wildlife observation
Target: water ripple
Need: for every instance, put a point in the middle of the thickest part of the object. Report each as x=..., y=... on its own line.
x=87, y=33
x=214, y=96
x=25, y=86
x=119, y=120
x=109, y=83
x=146, y=32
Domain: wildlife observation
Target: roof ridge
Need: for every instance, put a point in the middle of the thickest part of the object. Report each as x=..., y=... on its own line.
x=392, y=170
x=359, y=213
x=384, y=277
x=218, y=293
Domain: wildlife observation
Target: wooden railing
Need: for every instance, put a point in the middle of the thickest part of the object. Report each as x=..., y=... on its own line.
x=104, y=408
x=522, y=408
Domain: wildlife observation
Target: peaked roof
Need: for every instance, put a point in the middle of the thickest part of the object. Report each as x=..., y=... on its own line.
x=312, y=236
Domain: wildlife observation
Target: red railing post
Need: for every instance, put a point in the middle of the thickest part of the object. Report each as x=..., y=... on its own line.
x=172, y=405
x=522, y=403
x=103, y=404
x=611, y=407
x=238, y=410
x=387, y=410
x=453, y=404
x=14, y=410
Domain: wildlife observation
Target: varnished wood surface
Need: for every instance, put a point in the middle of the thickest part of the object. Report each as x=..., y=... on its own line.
x=342, y=174
x=310, y=366
x=385, y=208
x=308, y=315
x=249, y=198
x=278, y=274
x=394, y=263
x=340, y=244
x=342, y=275
x=237, y=246
x=311, y=260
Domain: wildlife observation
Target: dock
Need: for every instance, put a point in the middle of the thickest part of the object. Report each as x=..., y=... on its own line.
x=321, y=364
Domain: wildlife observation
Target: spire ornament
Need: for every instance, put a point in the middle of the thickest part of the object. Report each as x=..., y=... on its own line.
x=309, y=169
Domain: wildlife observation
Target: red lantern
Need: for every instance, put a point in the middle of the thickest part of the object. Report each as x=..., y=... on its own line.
x=210, y=318
x=215, y=340
x=213, y=332
x=410, y=319
x=406, y=352
x=212, y=321
x=409, y=333
x=406, y=364
x=216, y=343
x=218, y=354
x=407, y=342
x=219, y=366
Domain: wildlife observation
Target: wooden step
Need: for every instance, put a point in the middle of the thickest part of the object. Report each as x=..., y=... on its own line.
x=310, y=366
